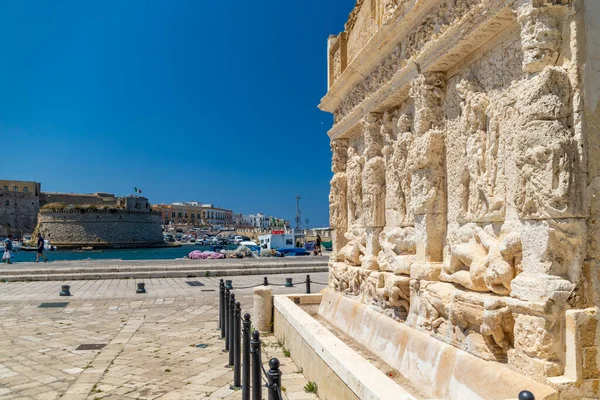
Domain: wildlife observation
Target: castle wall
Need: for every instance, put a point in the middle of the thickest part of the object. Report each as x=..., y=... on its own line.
x=18, y=212
x=78, y=199
x=113, y=228
x=464, y=195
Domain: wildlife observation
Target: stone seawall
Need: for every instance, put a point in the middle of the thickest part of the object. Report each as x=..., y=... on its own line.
x=101, y=229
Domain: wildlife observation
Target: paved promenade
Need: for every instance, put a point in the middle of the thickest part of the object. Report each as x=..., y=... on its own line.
x=149, y=340
x=118, y=269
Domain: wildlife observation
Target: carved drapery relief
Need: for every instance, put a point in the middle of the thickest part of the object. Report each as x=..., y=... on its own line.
x=482, y=262
x=399, y=140
x=338, y=201
x=541, y=36
x=547, y=153
x=354, y=174
x=483, y=197
x=373, y=184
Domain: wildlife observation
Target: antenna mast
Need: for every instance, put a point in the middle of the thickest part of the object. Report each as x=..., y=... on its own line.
x=298, y=212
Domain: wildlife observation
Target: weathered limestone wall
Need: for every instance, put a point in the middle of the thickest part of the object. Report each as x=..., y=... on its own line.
x=18, y=212
x=116, y=228
x=465, y=192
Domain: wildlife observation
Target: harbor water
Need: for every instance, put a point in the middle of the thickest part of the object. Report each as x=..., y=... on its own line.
x=163, y=253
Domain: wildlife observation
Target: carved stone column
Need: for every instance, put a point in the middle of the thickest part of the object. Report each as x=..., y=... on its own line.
x=338, y=209
x=373, y=187
x=428, y=174
x=550, y=197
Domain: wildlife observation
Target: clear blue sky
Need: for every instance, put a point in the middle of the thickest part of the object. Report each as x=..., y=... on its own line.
x=208, y=100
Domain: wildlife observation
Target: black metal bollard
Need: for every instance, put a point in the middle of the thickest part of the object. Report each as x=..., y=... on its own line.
x=274, y=378
x=255, y=350
x=65, y=290
x=288, y=282
x=526, y=395
x=265, y=281
x=231, y=328
x=246, y=357
x=308, y=284
x=237, y=351
x=221, y=297
x=141, y=288
x=225, y=331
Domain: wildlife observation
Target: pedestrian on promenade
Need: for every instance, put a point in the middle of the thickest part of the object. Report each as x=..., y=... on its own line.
x=318, y=250
x=40, y=248
x=8, y=246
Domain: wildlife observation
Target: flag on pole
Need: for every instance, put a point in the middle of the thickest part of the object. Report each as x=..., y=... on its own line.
x=136, y=190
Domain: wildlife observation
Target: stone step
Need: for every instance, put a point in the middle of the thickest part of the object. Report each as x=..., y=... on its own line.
x=98, y=268
x=142, y=273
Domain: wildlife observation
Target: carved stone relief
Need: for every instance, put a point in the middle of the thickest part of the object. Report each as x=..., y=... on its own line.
x=354, y=173
x=338, y=201
x=482, y=262
x=550, y=184
x=483, y=197
x=467, y=214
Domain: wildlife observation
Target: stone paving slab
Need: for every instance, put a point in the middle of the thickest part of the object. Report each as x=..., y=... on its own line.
x=161, y=288
x=150, y=342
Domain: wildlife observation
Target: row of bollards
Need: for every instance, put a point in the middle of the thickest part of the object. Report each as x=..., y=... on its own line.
x=65, y=290
x=245, y=352
x=227, y=284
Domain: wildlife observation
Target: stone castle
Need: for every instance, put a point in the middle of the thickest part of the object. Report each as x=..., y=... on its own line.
x=99, y=220
x=464, y=199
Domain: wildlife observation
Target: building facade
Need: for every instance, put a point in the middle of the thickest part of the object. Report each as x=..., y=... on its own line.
x=194, y=214
x=19, y=206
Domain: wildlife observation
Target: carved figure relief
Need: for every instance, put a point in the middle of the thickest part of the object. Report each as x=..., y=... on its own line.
x=355, y=249
x=389, y=292
x=373, y=185
x=547, y=154
x=481, y=262
x=428, y=92
x=398, y=249
x=354, y=174
x=338, y=209
x=483, y=187
x=398, y=176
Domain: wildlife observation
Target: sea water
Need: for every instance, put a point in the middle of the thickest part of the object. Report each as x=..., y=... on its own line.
x=163, y=253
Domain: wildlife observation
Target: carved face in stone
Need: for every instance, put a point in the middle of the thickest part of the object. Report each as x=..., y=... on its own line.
x=338, y=155
x=540, y=36
x=404, y=123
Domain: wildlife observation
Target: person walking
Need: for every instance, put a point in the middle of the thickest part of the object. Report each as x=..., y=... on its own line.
x=318, y=250
x=40, y=248
x=8, y=246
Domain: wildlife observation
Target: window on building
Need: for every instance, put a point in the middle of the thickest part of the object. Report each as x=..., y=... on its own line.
x=179, y=214
x=185, y=215
x=5, y=187
x=15, y=188
x=26, y=189
x=173, y=214
x=192, y=216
